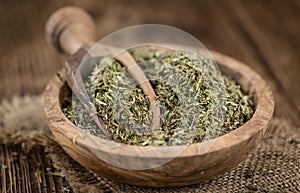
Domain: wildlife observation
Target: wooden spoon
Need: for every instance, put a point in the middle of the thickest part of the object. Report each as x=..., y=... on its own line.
x=72, y=31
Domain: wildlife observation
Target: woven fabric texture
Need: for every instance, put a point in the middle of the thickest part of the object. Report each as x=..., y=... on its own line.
x=273, y=167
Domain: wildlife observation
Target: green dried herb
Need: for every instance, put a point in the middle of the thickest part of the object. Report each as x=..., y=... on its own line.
x=174, y=76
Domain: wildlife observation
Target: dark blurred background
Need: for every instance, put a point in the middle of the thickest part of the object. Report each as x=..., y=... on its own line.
x=263, y=34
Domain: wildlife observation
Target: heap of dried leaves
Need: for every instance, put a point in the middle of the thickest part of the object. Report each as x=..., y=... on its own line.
x=197, y=103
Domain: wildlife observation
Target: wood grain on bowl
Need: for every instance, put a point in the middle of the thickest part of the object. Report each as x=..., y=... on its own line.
x=195, y=163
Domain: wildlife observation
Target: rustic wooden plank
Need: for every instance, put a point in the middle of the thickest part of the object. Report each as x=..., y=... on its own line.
x=10, y=182
x=3, y=169
x=26, y=181
x=287, y=44
x=14, y=166
x=297, y=4
x=41, y=173
x=18, y=172
x=277, y=57
x=27, y=62
x=51, y=178
x=23, y=171
x=35, y=177
x=232, y=39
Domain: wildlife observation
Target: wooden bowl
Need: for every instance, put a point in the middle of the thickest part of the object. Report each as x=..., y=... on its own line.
x=192, y=165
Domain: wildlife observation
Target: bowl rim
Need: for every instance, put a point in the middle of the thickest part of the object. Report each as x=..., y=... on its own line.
x=58, y=122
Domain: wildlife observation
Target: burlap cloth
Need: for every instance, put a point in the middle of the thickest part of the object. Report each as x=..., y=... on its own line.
x=273, y=167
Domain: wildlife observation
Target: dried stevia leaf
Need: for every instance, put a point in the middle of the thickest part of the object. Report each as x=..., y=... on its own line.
x=125, y=108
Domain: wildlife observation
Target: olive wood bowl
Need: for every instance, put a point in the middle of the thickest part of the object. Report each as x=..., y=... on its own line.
x=192, y=164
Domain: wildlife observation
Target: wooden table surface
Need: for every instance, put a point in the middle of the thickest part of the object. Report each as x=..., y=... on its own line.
x=263, y=34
